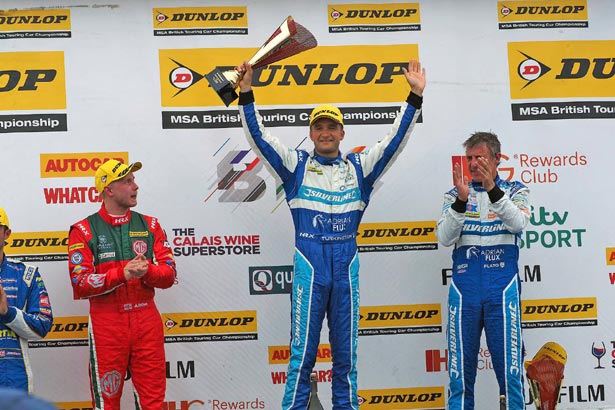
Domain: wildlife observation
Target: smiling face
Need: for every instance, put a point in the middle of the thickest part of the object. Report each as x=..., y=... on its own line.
x=326, y=135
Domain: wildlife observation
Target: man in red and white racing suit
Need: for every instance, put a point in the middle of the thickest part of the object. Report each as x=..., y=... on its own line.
x=116, y=259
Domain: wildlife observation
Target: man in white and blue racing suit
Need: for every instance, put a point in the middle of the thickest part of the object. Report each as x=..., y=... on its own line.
x=25, y=314
x=484, y=220
x=327, y=195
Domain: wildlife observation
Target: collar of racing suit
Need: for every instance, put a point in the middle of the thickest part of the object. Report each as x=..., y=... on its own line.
x=326, y=160
x=113, y=220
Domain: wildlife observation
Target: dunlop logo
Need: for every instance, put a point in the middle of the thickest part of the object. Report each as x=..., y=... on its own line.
x=186, y=21
x=332, y=73
x=544, y=10
x=32, y=24
x=560, y=309
x=397, y=232
x=31, y=243
x=198, y=17
x=561, y=69
x=400, y=315
x=405, y=398
x=210, y=322
x=394, y=13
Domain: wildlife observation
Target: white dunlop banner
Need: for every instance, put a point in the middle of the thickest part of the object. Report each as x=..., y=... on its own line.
x=82, y=82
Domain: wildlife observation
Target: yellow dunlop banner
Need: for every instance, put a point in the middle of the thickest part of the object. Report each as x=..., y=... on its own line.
x=542, y=10
x=392, y=13
x=84, y=164
x=353, y=74
x=191, y=323
x=34, y=20
x=400, y=315
x=559, y=309
x=281, y=354
x=200, y=17
x=35, y=243
x=69, y=327
x=32, y=80
x=405, y=398
x=396, y=232
x=561, y=69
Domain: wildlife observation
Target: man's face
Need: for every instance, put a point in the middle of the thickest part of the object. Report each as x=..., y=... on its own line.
x=478, y=156
x=326, y=135
x=4, y=236
x=123, y=192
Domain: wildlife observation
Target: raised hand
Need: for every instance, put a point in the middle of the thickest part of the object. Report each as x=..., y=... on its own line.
x=461, y=183
x=245, y=76
x=415, y=75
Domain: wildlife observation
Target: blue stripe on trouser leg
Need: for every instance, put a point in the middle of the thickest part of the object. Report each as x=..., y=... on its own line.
x=455, y=350
x=464, y=329
x=306, y=322
x=503, y=330
x=343, y=317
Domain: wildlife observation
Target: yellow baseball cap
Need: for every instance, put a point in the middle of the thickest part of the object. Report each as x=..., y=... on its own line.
x=326, y=111
x=551, y=350
x=112, y=170
x=4, y=218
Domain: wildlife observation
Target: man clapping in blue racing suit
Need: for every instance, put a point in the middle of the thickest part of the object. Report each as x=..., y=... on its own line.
x=484, y=219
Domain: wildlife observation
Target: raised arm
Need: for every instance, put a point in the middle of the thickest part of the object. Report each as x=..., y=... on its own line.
x=377, y=160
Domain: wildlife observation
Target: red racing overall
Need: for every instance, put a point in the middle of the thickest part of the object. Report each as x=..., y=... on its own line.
x=125, y=328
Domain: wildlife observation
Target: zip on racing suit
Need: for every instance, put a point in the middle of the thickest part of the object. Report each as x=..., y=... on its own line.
x=28, y=317
x=125, y=328
x=485, y=290
x=327, y=198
